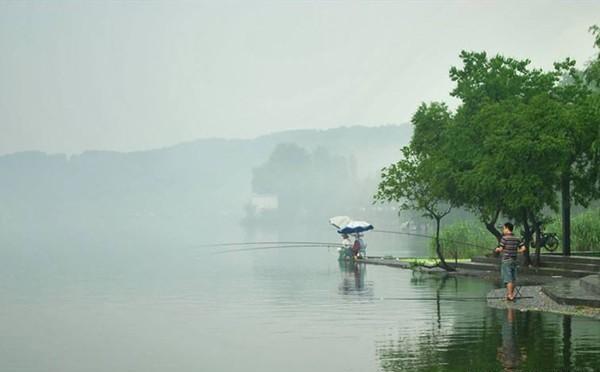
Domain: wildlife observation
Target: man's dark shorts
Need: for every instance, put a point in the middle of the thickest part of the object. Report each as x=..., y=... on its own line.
x=509, y=271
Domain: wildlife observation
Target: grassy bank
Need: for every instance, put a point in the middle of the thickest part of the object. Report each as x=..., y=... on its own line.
x=585, y=231
x=470, y=238
x=464, y=239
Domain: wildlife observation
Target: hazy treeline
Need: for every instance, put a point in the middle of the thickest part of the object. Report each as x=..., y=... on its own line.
x=193, y=187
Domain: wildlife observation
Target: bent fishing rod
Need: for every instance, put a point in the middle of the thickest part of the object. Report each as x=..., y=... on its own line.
x=234, y=244
x=269, y=247
x=448, y=298
x=266, y=245
x=427, y=236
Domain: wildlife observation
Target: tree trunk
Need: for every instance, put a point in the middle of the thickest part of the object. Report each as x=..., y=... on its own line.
x=527, y=238
x=491, y=226
x=438, y=247
x=537, y=230
x=538, y=247
x=565, y=189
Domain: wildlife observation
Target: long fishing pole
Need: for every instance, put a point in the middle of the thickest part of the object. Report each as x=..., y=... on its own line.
x=427, y=236
x=275, y=247
x=216, y=245
x=265, y=245
x=447, y=298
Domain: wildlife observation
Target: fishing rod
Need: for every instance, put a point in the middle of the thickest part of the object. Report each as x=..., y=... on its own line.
x=428, y=236
x=287, y=246
x=266, y=245
x=446, y=298
x=216, y=245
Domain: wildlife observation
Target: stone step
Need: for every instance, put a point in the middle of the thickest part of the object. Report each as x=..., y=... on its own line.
x=566, y=265
x=547, y=271
x=572, y=266
x=552, y=271
x=571, y=293
x=591, y=283
x=574, y=259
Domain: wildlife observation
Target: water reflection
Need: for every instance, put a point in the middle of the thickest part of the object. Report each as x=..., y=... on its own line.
x=509, y=353
x=353, y=278
x=566, y=327
x=440, y=283
x=469, y=336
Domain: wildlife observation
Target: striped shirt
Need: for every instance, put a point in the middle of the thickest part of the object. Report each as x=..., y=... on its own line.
x=510, y=245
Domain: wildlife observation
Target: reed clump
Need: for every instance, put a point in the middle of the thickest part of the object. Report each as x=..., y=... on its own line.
x=585, y=231
x=465, y=239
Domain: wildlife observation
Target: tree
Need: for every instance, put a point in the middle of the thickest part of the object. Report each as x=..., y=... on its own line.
x=302, y=181
x=520, y=153
x=592, y=72
x=578, y=167
x=412, y=182
x=492, y=144
x=537, y=122
x=519, y=138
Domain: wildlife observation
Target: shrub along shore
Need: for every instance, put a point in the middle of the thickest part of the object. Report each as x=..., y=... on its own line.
x=467, y=239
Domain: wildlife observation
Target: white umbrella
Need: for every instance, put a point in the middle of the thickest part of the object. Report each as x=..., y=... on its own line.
x=340, y=221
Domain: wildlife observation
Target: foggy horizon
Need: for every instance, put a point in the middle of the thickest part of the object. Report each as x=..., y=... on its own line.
x=121, y=76
x=215, y=138
x=283, y=185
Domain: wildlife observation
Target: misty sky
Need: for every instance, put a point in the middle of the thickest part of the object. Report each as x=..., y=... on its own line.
x=137, y=75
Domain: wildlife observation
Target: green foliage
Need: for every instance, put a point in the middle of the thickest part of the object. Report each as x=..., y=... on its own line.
x=502, y=146
x=592, y=72
x=429, y=122
x=414, y=184
x=465, y=239
x=418, y=183
x=585, y=231
x=419, y=263
x=484, y=80
x=518, y=136
x=517, y=133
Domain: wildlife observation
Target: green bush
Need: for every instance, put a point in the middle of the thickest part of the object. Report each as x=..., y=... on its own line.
x=464, y=239
x=585, y=231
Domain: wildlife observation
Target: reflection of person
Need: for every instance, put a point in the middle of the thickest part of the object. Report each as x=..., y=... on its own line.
x=509, y=353
x=509, y=246
x=353, y=277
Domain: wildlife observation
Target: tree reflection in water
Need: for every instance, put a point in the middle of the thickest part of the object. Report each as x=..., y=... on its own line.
x=469, y=336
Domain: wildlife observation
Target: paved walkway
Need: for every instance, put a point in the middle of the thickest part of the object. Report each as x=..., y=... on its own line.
x=539, y=302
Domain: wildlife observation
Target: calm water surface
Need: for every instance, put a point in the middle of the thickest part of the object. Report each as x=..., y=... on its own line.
x=123, y=305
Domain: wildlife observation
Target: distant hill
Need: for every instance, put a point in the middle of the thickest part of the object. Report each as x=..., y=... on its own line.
x=172, y=187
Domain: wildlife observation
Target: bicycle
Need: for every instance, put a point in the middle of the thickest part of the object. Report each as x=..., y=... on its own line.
x=548, y=241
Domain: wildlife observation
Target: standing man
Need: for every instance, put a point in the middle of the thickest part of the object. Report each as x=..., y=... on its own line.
x=509, y=247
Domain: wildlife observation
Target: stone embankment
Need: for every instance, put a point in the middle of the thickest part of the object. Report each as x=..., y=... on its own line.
x=566, y=285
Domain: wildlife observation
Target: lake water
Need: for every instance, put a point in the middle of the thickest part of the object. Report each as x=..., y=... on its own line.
x=131, y=304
